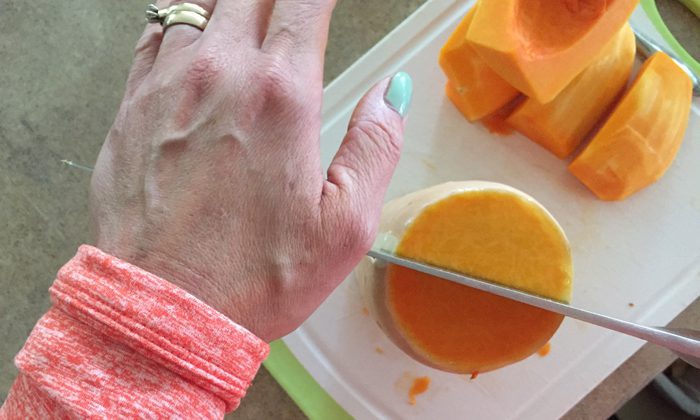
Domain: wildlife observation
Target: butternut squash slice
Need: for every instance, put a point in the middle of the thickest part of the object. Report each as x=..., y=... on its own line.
x=639, y=141
x=484, y=229
x=561, y=124
x=539, y=46
x=472, y=86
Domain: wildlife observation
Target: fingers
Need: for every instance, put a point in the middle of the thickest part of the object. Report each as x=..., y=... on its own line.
x=299, y=30
x=240, y=22
x=361, y=170
x=145, y=54
x=180, y=36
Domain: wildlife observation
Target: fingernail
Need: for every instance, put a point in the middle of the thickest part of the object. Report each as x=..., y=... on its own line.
x=399, y=93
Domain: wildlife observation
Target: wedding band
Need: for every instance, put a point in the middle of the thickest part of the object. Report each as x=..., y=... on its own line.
x=183, y=13
x=185, y=17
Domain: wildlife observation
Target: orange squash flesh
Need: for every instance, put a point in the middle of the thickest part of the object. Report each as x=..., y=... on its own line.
x=561, y=124
x=472, y=86
x=639, y=141
x=540, y=46
x=497, y=123
x=488, y=234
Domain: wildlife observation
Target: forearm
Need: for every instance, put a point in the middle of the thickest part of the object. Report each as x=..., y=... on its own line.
x=120, y=341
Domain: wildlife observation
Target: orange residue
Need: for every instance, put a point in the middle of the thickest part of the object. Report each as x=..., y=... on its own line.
x=474, y=375
x=379, y=350
x=420, y=385
x=544, y=350
x=365, y=311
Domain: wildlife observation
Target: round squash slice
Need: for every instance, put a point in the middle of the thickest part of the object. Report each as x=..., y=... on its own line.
x=483, y=229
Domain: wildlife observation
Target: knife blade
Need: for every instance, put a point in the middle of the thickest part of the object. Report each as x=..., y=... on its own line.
x=685, y=343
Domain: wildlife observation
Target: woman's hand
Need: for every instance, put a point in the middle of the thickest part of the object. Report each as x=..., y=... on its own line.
x=211, y=176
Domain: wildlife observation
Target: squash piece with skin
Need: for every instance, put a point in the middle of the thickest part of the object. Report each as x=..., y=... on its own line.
x=472, y=86
x=561, y=124
x=540, y=46
x=483, y=229
x=640, y=139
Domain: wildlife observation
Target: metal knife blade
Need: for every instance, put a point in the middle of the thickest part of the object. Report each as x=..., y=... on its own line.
x=686, y=344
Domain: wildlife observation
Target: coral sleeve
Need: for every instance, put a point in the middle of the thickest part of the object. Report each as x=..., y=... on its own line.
x=121, y=342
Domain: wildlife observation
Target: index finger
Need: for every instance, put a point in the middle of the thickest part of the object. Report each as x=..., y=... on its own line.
x=299, y=32
x=240, y=22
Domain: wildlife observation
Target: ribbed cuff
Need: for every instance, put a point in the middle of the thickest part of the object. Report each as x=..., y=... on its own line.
x=160, y=321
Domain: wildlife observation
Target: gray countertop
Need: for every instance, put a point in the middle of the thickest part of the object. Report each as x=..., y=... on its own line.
x=63, y=71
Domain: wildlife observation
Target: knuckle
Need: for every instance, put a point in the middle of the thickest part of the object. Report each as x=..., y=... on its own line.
x=285, y=37
x=385, y=137
x=275, y=78
x=206, y=69
x=279, y=86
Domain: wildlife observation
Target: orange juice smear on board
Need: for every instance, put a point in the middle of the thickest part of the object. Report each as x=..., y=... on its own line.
x=419, y=386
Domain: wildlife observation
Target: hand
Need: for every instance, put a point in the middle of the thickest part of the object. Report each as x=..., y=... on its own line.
x=211, y=176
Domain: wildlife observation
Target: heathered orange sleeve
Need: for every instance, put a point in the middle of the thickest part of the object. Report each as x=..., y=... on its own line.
x=121, y=342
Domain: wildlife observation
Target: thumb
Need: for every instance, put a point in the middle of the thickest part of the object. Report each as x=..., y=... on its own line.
x=361, y=170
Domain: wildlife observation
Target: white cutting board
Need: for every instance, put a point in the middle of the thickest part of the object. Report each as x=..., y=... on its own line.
x=644, y=250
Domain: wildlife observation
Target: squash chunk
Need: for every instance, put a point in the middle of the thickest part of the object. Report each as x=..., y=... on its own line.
x=472, y=86
x=561, y=124
x=540, y=46
x=639, y=141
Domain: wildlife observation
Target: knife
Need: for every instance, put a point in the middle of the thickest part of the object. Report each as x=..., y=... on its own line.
x=685, y=343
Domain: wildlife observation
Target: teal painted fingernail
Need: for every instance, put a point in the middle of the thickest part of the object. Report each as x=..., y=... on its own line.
x=399, y=93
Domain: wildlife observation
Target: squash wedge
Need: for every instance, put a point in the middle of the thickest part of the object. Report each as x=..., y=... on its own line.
x=561, y=124
x=640, y=140
x=474, y=88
